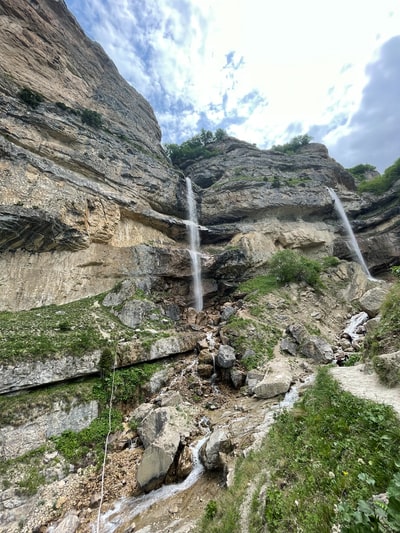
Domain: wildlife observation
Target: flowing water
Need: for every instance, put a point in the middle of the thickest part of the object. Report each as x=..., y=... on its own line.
x=126, y=509
x=346, y=223
x=194, y=242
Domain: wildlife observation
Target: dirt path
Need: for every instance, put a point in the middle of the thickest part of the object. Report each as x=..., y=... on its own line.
x=364, y=383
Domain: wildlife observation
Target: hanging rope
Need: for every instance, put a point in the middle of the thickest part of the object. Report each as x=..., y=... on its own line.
x=106, y=445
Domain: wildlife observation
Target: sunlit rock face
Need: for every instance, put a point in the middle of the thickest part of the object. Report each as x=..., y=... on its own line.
x=80, y=200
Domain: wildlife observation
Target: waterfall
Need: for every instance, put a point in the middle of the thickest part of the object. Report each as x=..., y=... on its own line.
x=353, y=242
x=194, y=241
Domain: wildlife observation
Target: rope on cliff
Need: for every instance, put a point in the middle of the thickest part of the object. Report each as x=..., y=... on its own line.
x=106, y=445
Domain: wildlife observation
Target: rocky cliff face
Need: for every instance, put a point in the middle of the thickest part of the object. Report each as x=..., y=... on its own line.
x=84, y=205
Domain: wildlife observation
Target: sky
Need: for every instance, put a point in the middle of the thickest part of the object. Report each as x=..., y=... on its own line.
x=262, y=70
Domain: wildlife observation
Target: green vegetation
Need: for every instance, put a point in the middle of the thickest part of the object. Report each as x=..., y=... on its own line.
x=128, y=384
x=260, y=337
x=319, y=457
x=91, y=118
x=385, y=337
x=194, y=148
x=289, y=266
x=293, y=145
x=258, y=286
x=374, y=514
x=51, y=331
x=30, y=97
x=382, y=183
x=85, y=446
x=359, y=171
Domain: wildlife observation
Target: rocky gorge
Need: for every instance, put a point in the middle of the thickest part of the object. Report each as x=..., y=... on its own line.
x=96, y=276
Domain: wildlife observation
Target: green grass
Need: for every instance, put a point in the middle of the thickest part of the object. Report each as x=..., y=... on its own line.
x=385, y=337
x=318, y=456
x=248, y=334
x=258, y=286
x=46, y=332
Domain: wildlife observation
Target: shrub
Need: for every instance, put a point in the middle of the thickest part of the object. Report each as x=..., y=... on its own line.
x=288, y=266
x=382, y=183
x=359, y=171
x=292, y=146
x=91, y=118
x=197, y=146
x=31, y=98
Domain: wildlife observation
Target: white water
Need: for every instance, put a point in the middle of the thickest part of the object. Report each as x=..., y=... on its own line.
x=353, y=242
x=355, y=322
x=194, y=241
x=127, y=508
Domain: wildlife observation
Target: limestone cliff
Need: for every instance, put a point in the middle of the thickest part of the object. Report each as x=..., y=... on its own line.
x=86, y=204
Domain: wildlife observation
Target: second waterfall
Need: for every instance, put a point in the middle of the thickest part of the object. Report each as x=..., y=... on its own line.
x=194, y=242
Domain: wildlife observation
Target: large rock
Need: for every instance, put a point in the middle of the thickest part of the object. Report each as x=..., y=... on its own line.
x=372, y=300
x=276, y=380
x=387, y=367
x=317, y=349
x=31, y=373
x=226, y=357
x=161, y=432
x=213, y=449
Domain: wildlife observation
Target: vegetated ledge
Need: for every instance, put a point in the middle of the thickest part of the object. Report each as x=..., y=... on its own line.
x=54, y=344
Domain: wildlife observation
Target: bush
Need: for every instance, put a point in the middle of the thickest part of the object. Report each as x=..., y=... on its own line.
x=91, y=118
x=31, y=98
x=196, y=147
x=359, y=171
x=382, y=183
x=288, y=266
x=295, y=144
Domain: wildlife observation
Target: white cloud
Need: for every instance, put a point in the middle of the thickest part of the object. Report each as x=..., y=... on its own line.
x=257, y=66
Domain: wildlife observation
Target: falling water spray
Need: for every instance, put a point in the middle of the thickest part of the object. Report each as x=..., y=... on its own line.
x=353, y=242
x=194, y=242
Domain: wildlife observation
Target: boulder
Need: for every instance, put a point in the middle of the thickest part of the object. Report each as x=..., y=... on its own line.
x=226, y=356
x=318, y=349
x=289, y=345
x=298, y=332
x=156, y=461
x=210, y=453
x=276, y=381
x=253, y=377
x=238, y=377
x=160, y=432
x=371, y=301
x=387, y=366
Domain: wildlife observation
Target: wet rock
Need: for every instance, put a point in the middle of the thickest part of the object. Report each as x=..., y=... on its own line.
x=219, y=442
x=226, y=357
x=238, y=378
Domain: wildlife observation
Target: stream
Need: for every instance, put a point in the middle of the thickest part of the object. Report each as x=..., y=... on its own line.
x=196, y=489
